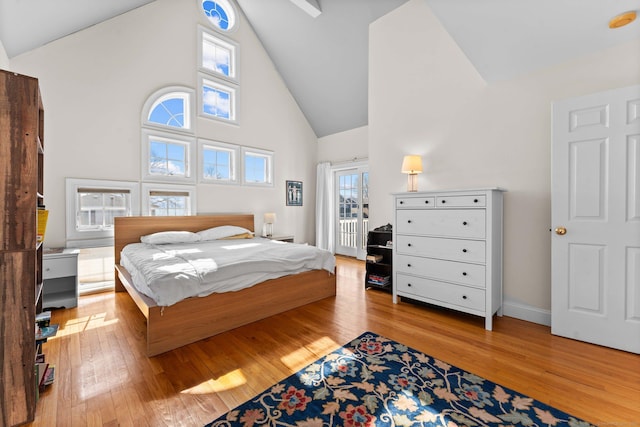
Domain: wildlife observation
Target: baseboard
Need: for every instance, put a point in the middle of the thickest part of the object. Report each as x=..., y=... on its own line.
x=526, y=312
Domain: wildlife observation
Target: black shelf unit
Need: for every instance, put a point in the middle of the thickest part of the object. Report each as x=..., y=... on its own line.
x=379, y=270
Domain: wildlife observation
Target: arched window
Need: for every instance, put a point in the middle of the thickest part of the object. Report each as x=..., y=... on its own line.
x=220, y=14
x=170, y=107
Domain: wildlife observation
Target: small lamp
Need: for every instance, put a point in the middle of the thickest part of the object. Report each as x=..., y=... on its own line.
x=269, y=220
x=412, y=166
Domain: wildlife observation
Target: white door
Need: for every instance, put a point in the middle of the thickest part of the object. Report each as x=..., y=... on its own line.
x=595, y=249
x=352, y=211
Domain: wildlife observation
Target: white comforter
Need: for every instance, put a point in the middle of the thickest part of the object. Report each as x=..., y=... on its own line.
x=169, y=273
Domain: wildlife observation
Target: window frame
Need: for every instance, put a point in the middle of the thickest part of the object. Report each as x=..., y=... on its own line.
x=219, y=84
x=235, y=163
x=205, y=35
x=148, y=187
x=95, y=238
x=190, y=156
x=259, y=152
x=231, y=10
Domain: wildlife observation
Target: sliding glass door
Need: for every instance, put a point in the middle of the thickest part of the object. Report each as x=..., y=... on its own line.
x=352, y=211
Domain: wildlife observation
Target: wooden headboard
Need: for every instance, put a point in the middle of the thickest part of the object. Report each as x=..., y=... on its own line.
x=129, y=229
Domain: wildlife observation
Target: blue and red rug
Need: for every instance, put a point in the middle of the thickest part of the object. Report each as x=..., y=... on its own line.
x=374, y=381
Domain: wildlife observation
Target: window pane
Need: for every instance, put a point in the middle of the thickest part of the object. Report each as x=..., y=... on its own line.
x=168, y=205
x=169, y=112
x=255, y=169
x=216, y=102
x=216, y=58
x=217, y=164
x=220, y=13
x=167, y=158
x=97, y=210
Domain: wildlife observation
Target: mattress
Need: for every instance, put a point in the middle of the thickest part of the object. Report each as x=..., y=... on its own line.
x=169, y=273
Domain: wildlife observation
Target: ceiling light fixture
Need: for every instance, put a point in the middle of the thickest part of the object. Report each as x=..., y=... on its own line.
x=622, y=19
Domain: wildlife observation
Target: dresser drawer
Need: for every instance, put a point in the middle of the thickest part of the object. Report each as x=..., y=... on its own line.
x=458, y=272
x=465, y=223
x=461, y=201
x=415, y=202
x=59, y=267
x=461, y=296
x=437, y=247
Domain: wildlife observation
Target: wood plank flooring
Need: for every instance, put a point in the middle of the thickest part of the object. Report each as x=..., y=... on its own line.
x=103, y=377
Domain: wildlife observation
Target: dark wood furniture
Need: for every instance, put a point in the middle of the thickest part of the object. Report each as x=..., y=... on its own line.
x=21, y=191
x=196, y=318
x=379, y=260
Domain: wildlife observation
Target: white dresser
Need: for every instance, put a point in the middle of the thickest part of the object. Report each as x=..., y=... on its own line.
x=447, y=249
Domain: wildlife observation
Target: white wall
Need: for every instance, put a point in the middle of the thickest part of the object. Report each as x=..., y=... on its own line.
x=94, y=84
x=4, y=59
x=426, y=98
x=343, y=146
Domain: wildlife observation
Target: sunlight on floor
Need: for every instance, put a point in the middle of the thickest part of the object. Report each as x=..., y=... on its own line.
x=226, y=382
x=307, y=354
x=86, y=323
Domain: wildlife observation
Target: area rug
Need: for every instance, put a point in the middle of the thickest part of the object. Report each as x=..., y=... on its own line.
x=374, y=381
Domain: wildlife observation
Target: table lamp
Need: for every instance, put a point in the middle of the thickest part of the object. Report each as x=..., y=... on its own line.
x=412, y=166
x=269, y=220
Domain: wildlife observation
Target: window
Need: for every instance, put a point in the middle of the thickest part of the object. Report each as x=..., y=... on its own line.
x=218, y=162
x=93, y=205
x=168, y=200
x=257, y=166
x=220, y=14
x=170, y=108
x=218, y=56
x=218, y=100
x=167, y=157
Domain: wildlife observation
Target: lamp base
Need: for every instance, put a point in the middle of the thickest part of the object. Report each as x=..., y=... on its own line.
x=268, y=230
x=412, y=182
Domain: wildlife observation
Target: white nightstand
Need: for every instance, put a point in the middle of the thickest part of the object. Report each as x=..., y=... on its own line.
x=60, y=278
x=281, y=238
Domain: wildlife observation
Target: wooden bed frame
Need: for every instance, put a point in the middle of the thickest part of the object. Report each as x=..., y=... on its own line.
x=197, y=318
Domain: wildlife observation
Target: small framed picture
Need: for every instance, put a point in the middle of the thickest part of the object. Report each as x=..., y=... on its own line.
x=294, y=193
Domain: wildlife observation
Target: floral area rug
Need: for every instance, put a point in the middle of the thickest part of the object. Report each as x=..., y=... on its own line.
x=374, y=381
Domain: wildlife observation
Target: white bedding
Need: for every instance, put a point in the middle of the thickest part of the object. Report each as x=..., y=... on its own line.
x=171, y=272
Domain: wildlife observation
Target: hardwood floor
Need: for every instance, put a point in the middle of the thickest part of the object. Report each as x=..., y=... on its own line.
x=103, y=377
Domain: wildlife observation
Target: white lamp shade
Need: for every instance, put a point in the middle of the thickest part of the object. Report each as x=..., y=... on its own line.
x=412, y=164
x=269, y=218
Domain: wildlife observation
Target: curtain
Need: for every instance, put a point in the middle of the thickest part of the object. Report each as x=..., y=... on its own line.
x=325, y=232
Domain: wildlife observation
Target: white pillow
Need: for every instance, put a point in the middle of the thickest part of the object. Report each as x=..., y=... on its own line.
x=221, y=232
x=163, y=237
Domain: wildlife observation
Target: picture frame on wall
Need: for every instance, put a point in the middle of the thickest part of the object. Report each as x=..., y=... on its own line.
x=294, y=193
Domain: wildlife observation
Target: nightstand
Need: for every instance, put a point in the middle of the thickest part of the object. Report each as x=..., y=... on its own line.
x=281, y=238
x=60, y=278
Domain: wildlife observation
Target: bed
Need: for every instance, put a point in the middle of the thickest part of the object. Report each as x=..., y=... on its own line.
x=196, y=318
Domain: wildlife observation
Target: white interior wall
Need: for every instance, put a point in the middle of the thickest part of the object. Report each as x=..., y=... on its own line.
x=4, y=59
x=343, y=146
x=94, y=84
x=426, y=98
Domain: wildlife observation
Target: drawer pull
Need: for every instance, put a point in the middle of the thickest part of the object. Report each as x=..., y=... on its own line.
x=408, y=265
x=444, y=201
x=426, y=202
x=464, y=223
x=475, y=200
x=464, y=297
x=402, y=202
x=408, y=221
x=409, y=284
x=464, y=250
x=464, y=273
x=409, y=244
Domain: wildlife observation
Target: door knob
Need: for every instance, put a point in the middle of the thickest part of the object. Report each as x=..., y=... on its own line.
x=561, y=231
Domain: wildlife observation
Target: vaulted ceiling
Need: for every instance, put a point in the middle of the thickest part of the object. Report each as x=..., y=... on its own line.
x=324, y=59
